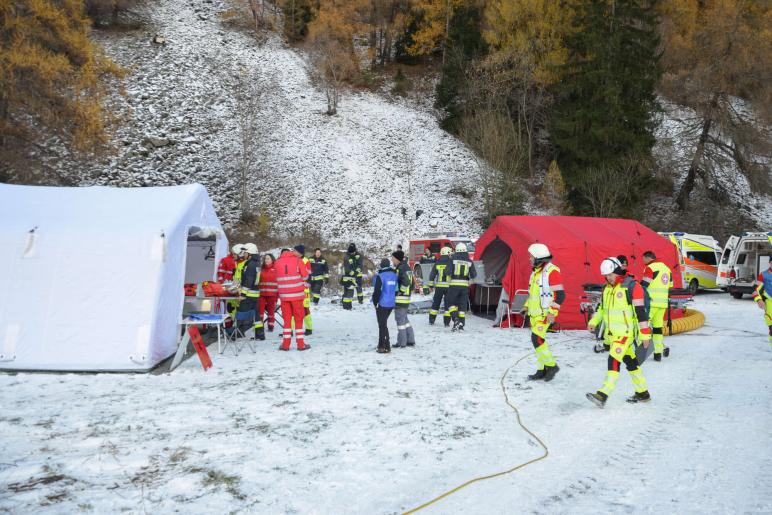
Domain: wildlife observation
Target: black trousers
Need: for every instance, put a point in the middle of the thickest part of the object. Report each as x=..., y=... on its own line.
x=440, y=294
x=360, y=293
x=316, y=289
x=457, y=300
x=383, y=327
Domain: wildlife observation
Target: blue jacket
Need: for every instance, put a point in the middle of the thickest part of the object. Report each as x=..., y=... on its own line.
x=385, y=288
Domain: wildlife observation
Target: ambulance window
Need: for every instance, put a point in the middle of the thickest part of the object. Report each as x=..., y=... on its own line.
x=434, y=247
x=707, y=258
x=725, y=258
x=741, y=259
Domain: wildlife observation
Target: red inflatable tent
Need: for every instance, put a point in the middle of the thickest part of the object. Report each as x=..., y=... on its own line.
x=578, y=245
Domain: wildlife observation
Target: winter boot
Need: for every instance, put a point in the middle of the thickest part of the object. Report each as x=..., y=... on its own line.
x=432, y=318
x=383, y=350
x=446, y=321
x=538, y=375
x=666, y=353
x=550, y=372
x=598, y=398
x=259, y=333
x=284, y=346
x=639, y=397
x=599, y=347
x=411, y=344
x=303, y=347
x=456, y=325
x=657, y=357
x=309, y=331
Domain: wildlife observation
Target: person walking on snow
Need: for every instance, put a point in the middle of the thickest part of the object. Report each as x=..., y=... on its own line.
x=462, y=270
x=291, y=275
x=545, y=296
x=657, y=279
x=269, y=295
x=405, y=335
x=438, y=279
x=623, y=311
x=320, y=275
x=762, y=295
x=384, y=300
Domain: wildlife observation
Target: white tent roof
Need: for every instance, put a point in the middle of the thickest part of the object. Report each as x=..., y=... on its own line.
x=92, y=278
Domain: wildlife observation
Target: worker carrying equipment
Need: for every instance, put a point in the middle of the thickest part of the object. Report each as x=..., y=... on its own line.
x=623, y=312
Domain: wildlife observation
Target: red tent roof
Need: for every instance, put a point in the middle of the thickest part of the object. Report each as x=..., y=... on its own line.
x=578, y=245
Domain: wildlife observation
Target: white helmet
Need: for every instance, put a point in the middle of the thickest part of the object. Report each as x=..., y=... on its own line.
x=249, y=248
x=539, y=251
x=446, y=251
x=608, y=265
x=461, y=247
x=237, y=249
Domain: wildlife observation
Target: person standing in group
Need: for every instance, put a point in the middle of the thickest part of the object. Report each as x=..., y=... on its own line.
x=300, y=251
x=546, y=294
x=438, y=279
x=762, y=295
x=462, y=270
x=320, y=275
x=352, y=276
x=269, y=295
x=228, y=265
x=249, y=280
x=623, y=311
x=384, y=300
x=291, y=276
x=657, y=279
x=405, y=335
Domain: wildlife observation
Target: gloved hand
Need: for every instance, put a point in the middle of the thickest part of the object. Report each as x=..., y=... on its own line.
x=552, y=314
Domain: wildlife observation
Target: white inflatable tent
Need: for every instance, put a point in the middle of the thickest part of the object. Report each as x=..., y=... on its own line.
x=91, y=279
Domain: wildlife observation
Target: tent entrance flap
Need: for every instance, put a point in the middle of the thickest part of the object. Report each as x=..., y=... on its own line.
x=496, y=260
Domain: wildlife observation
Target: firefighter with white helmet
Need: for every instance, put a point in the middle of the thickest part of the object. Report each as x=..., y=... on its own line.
x=438, y=279
x=545, y=296
x=462, y=270
x=623, y=311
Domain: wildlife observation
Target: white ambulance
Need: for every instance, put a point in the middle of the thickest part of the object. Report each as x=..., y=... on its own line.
x=743, y=257
x=699, y=255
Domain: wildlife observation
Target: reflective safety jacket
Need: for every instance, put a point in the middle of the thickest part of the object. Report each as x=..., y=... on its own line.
x=622, y=311
x=439, y=276
x=404, y=284
x=319, y=269
x=250, y=278
x=541, y=298
x=238, y=271
x=225, y=269
x=763, y=288
x=658, y=280
x=352, y=265
x=291, y=275
x=461, y=270
x=268, y=286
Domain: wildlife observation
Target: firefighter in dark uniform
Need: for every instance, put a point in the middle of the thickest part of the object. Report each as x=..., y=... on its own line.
x=438, y=279
x=461, y=272
x=320, y=275
x=352, y=276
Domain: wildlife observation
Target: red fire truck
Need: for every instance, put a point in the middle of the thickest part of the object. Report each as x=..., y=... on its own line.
x=434, y=242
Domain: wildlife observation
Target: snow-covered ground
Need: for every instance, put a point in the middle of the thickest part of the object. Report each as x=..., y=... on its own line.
x=362, y=174
x=341, y=429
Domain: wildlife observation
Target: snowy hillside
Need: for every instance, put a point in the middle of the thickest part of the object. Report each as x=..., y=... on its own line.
x=341, y=429
x=361, y=175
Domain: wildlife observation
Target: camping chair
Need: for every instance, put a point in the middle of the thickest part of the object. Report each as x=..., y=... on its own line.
x=516, y=306
x=236, y=335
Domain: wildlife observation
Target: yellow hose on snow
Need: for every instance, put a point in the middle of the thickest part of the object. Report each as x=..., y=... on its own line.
x=691, y=320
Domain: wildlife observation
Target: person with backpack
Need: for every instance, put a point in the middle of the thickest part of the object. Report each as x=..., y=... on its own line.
x=657, y=279
x=384, y=300
x=623, y=311
x=438, y=279
x=546, y=294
